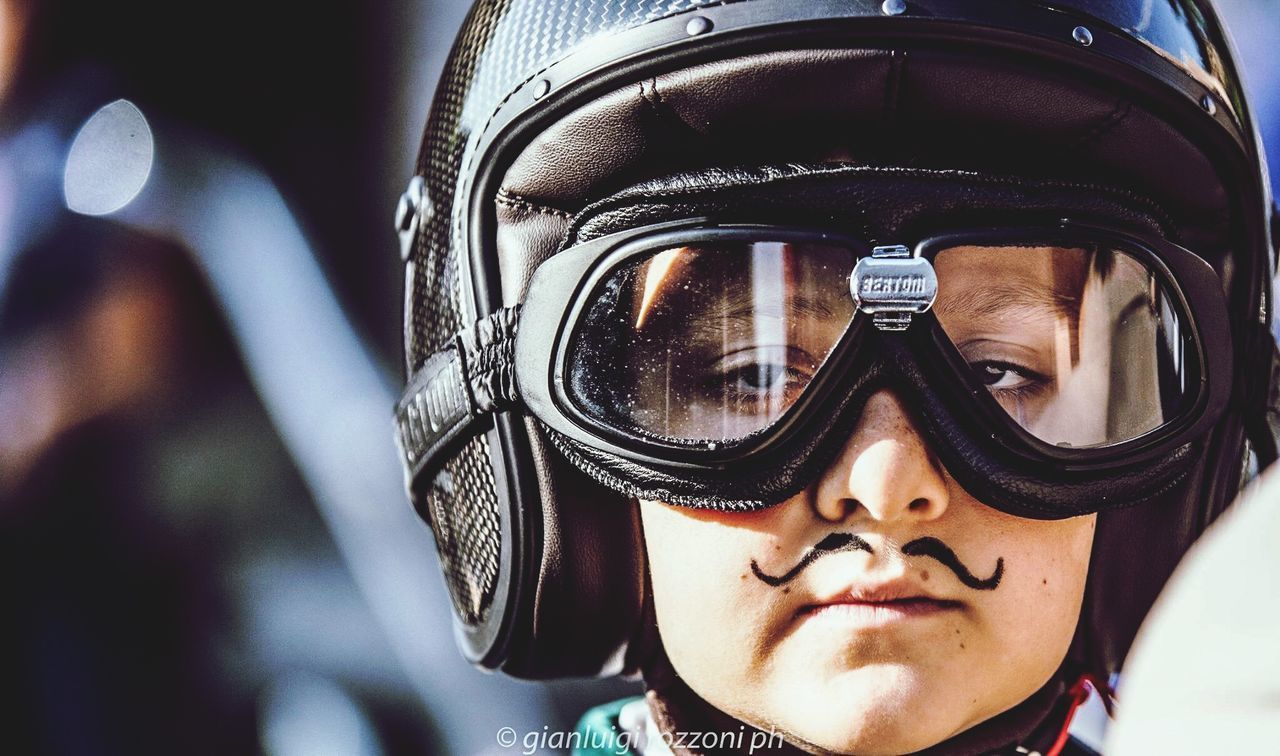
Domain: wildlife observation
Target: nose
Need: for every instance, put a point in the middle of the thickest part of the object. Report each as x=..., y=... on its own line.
x=885, y=469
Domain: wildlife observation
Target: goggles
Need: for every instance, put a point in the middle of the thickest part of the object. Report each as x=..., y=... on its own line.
x=703, y=345
x=1056, y=370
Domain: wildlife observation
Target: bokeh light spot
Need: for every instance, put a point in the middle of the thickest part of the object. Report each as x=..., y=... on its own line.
x=109, y=161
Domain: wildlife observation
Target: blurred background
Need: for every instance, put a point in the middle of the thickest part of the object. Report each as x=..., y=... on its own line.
x=204, y=542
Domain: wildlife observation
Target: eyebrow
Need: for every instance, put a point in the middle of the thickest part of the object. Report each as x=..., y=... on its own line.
x=988, y=301
x=800, y=304
x=708, y=324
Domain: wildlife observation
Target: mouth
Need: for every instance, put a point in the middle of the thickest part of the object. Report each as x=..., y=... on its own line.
x=879, y=605
x=881, y=612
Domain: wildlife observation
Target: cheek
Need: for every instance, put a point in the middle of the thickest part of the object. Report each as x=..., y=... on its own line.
x=1035, y=611
x=1056, y=564
x=710, y=608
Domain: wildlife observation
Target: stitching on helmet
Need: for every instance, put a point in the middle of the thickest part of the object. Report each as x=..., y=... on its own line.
x=1166, y=225
x=893, y=88
x=1104, y=126
x=662, y=109
x=520, y=202
x=644, y=95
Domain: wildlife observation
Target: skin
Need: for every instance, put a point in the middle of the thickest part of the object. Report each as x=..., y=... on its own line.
x=732, y=338
x=835, y=686
x=813, y=659
x=1066, y=349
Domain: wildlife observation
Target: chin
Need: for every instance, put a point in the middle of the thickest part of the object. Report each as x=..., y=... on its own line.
x=884, y=711
x=902, y=735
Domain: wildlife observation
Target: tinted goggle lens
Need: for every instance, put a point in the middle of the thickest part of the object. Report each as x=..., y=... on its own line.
x=710, y=342
x=1081, y=346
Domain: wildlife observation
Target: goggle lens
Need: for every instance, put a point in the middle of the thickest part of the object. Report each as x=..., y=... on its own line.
x=1081, y=347
x=712, y=342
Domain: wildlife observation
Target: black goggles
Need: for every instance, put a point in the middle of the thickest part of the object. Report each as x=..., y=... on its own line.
x=700, y=345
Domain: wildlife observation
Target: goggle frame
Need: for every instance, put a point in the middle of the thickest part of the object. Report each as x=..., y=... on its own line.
x=562, y=287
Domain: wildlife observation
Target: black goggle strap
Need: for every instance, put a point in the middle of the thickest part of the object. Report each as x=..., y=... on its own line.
x=456, y=390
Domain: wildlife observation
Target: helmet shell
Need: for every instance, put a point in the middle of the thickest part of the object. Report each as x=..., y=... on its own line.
x=527, y=541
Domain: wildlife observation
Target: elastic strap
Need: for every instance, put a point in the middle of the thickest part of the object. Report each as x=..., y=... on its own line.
x=456, y=390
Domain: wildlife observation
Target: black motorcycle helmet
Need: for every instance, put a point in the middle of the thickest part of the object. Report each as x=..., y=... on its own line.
x=560, y=123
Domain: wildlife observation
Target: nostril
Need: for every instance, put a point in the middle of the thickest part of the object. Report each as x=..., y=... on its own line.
x=835, y=510
x=918, y=505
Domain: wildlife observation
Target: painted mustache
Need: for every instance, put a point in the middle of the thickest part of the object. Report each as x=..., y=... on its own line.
x=832, y=544
x=932, y=547
x=926, y=546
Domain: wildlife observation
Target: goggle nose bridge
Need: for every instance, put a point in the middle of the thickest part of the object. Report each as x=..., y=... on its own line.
x=892, y=285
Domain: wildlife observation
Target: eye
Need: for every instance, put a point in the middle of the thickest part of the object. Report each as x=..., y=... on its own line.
x=756, y=374
x=1005, y=376
x=760, y=376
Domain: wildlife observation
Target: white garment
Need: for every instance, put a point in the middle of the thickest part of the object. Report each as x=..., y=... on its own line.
x=1204, y=674
x=646, y=738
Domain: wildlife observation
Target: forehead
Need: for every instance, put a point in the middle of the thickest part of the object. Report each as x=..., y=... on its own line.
x=721, y=276
x=974, y=279
x=1033, y=264
x=980, y=280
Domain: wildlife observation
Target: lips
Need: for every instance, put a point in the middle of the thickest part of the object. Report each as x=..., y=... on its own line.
x=880, y=603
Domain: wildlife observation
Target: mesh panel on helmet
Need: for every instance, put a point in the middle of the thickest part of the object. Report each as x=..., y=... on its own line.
x=463, y=511
x=502, y=44
x=462, y=507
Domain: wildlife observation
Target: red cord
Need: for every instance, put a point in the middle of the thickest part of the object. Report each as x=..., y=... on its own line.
x=1079, y=693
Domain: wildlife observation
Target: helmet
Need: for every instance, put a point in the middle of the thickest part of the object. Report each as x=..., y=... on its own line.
x=560, y=127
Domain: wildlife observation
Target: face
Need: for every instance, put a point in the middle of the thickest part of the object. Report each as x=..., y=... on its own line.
x=883, y=609
x=882, y=649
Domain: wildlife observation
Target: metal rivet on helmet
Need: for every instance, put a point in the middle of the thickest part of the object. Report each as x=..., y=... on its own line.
x=698, y=25
x=893, y=7
x=413, y=205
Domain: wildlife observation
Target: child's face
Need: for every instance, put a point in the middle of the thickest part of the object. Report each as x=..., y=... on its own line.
x=876, y=646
